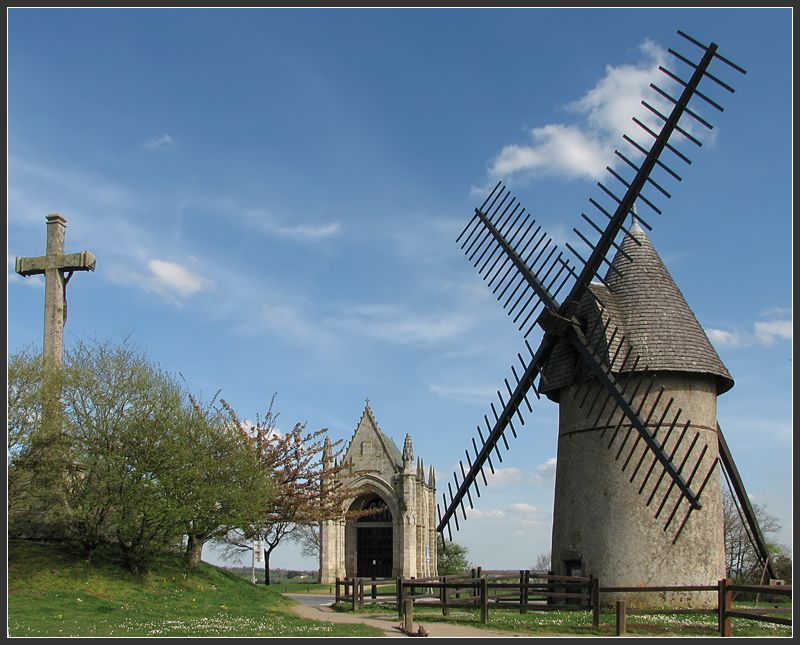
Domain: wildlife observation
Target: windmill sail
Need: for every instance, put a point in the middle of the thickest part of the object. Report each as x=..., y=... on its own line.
x=523, y=264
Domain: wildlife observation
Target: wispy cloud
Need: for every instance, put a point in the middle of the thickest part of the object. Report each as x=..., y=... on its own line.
x=764, y=333
x=463, y=394
x=171, y=281
x=728, y=338
x=508, y=477
x=770, y=331
x=161, y=142
x=70, y=186
x=485, y=514
x=775, y=311
x=583, y=149
x=396, y=325
x=545, y=473
x=305, y=233
x=265, y=221
x=296, y=322
x=176, y=279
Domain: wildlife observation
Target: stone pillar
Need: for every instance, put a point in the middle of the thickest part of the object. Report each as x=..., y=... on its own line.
x=54, y=292
x=408, y=518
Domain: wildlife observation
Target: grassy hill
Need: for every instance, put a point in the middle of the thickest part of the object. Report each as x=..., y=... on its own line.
x=52, y=592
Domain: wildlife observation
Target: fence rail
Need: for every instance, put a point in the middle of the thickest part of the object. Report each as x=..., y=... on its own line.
x=530, y=590
x=726, y=611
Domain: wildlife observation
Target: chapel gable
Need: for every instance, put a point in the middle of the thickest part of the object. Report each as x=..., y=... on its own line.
x=371, y=449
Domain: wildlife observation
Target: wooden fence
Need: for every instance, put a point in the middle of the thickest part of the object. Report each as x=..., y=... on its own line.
x=530, y=590
x=480, y=590
x=726, y=592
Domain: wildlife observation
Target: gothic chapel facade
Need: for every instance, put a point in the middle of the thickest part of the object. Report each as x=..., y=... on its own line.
x=400, y=539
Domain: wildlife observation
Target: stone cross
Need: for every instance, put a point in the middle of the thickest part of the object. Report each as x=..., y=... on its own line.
x=57, y=268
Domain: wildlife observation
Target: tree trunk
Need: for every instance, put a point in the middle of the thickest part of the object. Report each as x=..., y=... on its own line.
x=266, y=565
x=194, y=549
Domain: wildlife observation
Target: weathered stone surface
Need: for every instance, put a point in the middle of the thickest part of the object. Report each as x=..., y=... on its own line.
x=600, y=519
x=377, y=467
x=54, y=264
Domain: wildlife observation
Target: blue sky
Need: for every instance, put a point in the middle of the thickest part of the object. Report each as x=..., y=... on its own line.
x=273, y=197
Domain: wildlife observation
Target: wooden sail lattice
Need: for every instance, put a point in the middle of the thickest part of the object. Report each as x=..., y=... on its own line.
x=527, y=272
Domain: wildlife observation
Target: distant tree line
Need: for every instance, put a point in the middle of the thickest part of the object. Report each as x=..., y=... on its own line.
x=111, y=451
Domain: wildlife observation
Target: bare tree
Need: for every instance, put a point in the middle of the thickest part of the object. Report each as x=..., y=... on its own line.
x=309, y=539
x=742, y=561
x=543, y=563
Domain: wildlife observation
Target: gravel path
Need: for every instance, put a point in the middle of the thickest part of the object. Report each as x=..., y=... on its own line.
x=388, y=621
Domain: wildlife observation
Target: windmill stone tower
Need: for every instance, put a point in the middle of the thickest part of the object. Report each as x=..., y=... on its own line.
x=637, y=498
x=600, y=525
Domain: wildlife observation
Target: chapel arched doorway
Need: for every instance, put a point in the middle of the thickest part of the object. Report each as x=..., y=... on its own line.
x=374, y=537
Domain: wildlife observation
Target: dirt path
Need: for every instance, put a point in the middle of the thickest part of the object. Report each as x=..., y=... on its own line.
x=387, y=621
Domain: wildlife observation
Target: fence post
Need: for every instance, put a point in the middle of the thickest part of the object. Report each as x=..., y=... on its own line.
x=338, y=593
x=484, y=601
x=361, y=593
x=443, y=593
x=374, y=590
x=408, y=620
x=621, y=617
x=354, y=597
x=521, y=591
x=725, y=600
x=595, y=602
x=400, y=597
x=525, y=591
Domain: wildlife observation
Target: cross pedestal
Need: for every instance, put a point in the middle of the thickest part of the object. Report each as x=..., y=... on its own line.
x=57, y=268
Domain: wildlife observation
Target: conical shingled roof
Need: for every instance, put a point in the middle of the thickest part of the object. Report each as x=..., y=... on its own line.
x=651, y=314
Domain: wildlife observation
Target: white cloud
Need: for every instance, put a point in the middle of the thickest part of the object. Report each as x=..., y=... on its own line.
x=725, y=338
x=617, y=97
x=161, y=142
x=508, y=477
x=521, y=507
x=171, y=280
x=764, y=333
x=770, y=331
x=480, y=514
x=546, y=472
x=557, y=149
x=463, y=394
x=582, y=150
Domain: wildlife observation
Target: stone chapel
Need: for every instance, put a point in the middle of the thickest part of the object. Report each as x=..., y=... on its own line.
x=400, y=539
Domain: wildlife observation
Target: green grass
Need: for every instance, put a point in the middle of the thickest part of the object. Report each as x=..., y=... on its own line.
x=53, y=593
x=579, y=623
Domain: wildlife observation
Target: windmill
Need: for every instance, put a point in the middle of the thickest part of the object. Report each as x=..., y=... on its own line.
x=625, y=417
